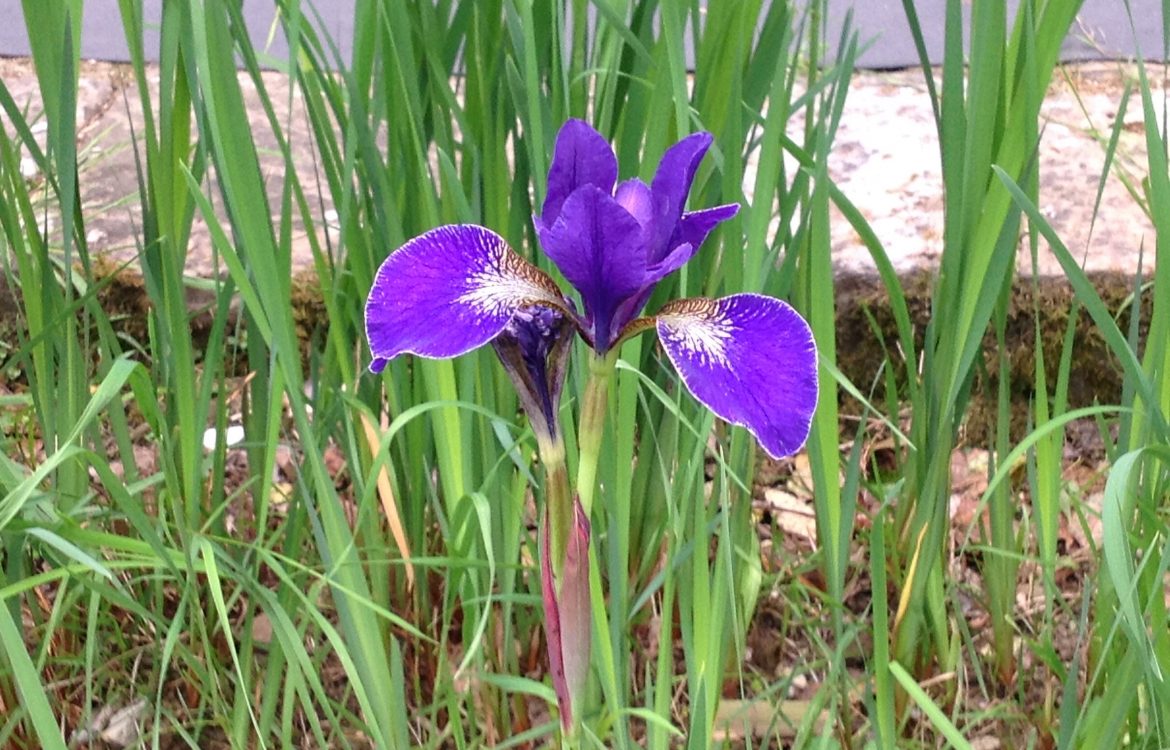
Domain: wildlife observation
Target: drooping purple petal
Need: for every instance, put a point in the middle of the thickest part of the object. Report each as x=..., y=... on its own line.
x=750, y=359
x=449, y=291
x=671, y=185
x=598, y=247
x=581, y=157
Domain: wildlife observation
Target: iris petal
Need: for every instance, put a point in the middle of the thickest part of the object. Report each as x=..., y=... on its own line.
x=581, y=157
x=671, y=185
x=750, y=359
x=696, y=225
x=690, y=234
x=634, y=196
x=449, y=291
x=597, y=245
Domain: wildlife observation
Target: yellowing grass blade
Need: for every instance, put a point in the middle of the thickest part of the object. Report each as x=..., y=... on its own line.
x=389, y=505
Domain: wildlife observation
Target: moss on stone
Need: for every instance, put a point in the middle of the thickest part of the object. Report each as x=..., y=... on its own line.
x=862, y=306
x=1042, y=305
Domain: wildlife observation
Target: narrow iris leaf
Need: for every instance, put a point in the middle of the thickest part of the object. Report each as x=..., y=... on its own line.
x=750, y=359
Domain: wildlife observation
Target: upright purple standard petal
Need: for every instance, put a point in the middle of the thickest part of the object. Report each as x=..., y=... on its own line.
x=581, y=157
x=671, y=186
x=750, y=359
x=449, y=291
x=635, y=197
x=598, y=246
x=689, y=234
x=614, y=247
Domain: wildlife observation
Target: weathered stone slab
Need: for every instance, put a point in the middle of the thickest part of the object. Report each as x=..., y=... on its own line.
x=885, y=157
x=110, y=127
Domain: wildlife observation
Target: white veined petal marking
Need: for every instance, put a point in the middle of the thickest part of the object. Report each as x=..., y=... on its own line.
x=504, y=280
x=701, y=327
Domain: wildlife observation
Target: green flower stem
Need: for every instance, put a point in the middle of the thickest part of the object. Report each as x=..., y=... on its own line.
x=592, y=425
x=560, y=510
x=558, y=498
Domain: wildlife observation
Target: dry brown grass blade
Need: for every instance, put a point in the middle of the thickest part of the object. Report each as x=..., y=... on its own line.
x=389, y=504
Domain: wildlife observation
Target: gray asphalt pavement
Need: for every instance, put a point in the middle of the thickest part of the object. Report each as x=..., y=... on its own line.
x=1103, y=29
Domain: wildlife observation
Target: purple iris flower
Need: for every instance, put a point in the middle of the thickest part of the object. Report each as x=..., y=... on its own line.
x=615, y=246
x=751, y=359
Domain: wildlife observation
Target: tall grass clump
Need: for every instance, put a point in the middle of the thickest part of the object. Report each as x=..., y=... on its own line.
x=990, y=178
x=361, y=568
x=519, y=71
x=1126, y=694
x=987, y=109
x=229, y=598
